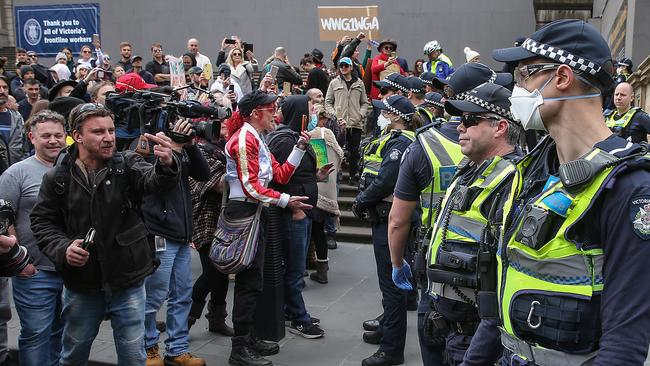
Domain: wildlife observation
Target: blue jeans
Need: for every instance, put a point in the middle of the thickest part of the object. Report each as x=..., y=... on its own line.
x=330, y=224
x=38, y=304
x=83, y=313
x=393, y=299
x=295, y=257
x=172, y=281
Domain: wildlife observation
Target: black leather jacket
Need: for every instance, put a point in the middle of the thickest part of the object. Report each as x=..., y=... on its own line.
x=69, y=205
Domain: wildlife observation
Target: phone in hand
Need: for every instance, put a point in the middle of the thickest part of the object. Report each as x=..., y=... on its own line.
x=232, y=88
x=303, y=125
x=247, y=47
x=95, y=38
x=89, y=239
x=393, y=54
x=230, y=41
x=274, y=72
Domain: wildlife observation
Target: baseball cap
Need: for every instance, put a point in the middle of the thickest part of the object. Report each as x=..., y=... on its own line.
x=394, y=80
x=488, y=97
x=397, y=104
x=136, y=57
x=253, y=99
x=131, y=82
x=345, y=60
x=471, y=75
x=195, y=70
x=571, y=42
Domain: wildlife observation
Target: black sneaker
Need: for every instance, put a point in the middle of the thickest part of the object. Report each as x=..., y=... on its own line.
x=314, y=321
x=308, y=331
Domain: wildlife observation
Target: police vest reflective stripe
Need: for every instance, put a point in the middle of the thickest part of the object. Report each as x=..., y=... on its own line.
x=444, y=156
x=460, y=227
x=425, y=115
x=622, y=122
x=547, y=281
x=372, y=154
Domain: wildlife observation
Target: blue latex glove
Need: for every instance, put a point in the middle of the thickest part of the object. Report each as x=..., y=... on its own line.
x=402, y=275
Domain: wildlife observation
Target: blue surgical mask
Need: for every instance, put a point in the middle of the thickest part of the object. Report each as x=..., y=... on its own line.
x=313, y=122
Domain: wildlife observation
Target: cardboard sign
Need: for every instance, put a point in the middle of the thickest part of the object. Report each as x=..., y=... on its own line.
x=177, y=75
x=334, y=22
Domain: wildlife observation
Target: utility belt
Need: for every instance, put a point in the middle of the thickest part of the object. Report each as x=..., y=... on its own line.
x=378, y=214
x=526, y=354
x=437, y=327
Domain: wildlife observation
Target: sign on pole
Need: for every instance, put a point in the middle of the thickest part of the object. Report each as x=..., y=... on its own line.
x=335, y=22
x=45, y=29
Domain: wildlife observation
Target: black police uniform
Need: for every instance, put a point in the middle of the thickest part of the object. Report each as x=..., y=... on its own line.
x=371, y=199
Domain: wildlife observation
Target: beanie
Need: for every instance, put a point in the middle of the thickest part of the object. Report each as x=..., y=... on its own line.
x=470, y=54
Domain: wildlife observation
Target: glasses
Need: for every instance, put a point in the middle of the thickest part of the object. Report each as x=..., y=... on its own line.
x=471, y=120
x=237, y=54
x=389, y=48
x=344, y=66
x=33, y=56
x=85, y=51
x=107, y=58
x=269, y=109
x=157, y=50
x=524, y=72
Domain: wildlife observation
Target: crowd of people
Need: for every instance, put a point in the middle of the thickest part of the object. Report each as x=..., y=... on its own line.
x=487, y=183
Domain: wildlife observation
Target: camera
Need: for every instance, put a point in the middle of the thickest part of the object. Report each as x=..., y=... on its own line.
x=153, y=112
x=17, y=258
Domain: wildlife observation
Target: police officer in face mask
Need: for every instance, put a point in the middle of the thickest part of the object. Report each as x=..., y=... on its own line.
x=573, y=267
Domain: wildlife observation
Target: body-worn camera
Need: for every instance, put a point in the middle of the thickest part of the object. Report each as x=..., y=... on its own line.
x=16, y=259
x=153, y=112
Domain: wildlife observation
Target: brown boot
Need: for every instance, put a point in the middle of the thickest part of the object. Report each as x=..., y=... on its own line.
x=186, y=359
x=322, y=266
x=153, y=357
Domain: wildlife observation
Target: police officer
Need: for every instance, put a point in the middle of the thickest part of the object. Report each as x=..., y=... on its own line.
x=573, y=268
x=467, y=77
x=627, y=121
x=381, y=166
x=623, y=70
x=461, y=259
x=427, y=78
x=434, y=104
x=415, y=183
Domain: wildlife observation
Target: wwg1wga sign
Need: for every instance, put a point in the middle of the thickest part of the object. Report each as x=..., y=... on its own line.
x=32, y=32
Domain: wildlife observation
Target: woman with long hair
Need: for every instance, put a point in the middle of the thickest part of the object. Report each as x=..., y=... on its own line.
x=241, y=70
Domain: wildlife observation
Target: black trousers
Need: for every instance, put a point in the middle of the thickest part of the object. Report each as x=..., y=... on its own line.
x=318, y=236
x=248, y=283
x=211, y=281
x=353, y=140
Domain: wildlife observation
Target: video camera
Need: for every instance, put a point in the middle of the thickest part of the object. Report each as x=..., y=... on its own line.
x=16, y=259
x=153, y=112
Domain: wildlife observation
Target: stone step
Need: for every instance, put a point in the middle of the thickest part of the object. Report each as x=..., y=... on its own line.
x=348, y=219
x=345, y=203
x=346, y=190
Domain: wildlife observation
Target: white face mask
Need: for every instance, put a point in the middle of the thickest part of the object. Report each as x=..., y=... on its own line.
x=383, y=122
x=525, y=105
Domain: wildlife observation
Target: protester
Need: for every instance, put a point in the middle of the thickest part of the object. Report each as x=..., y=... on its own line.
x=103, y=277
x=158, y=66
x=285, y=71
x=316, y=77
x=241, y=70
x=247, y=176
x=37, y=292
x=201, y=60
x=12, y=130
x=471, y=55
x=224, y=82
x=32, y=89
x=136, y=63
x=383, y=64
x=125, y=57
x=61, y=68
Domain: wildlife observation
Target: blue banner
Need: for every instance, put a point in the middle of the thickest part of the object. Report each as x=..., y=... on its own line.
x=48, y=28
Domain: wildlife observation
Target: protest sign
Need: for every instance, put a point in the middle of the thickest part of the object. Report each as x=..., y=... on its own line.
x=334, y=22
x=177, y=75
x=45, y=29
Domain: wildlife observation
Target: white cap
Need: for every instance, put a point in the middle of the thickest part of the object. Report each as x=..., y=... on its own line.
x=60, y=56
x=470, y=54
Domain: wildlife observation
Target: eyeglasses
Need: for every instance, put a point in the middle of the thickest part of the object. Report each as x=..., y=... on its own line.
x=237, y=54
x=471, y=120
x=85, y=110
x=106, y=58
x=157, y=50
x=270, y=109
x=524, y=72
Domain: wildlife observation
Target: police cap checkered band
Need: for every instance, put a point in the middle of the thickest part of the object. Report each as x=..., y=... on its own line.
x=395, y=85
x=434, y=103
x=405, y=116
x=561, y=56
x=490, y=107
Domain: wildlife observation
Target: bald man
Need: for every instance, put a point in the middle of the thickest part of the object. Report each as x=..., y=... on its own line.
x=626, y=121
x=193, y=48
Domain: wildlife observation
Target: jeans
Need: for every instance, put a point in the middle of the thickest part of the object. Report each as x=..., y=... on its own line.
x=172, y=281
x=39, y=303
x=330, y=224
x=83, y=313
x=432, y=355
x=295, y=256
x=393, y=299
x=5, y=316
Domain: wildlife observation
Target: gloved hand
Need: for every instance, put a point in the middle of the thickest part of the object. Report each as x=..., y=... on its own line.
x=358, y=211
x=402, y=275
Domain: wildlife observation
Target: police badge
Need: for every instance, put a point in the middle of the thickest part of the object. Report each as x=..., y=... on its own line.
x=640, y=216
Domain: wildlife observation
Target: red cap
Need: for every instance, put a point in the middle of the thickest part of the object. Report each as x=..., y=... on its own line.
x=131, y=82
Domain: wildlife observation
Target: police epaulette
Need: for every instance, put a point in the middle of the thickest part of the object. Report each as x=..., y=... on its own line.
x=425, y=128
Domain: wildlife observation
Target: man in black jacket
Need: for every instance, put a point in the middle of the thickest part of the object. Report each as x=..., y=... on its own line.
x=286, y=72
x=168, y=216
x=94, y=188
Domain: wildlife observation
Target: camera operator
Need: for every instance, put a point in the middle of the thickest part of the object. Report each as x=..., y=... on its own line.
x=37, y=291
x=93, y=188
x=168, y=216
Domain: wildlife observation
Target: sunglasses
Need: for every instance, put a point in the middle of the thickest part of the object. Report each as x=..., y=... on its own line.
x=157, y=50
x=270, y=109
x=344, y=66
x=471, y=120
x=389, y=48
x=524, y=72
x=236, y=54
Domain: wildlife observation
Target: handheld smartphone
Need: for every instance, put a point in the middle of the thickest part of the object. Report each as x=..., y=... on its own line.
x=95, y=38
x=274, y=72
x=303, y=125
x=90, y=237
x=231, y=87
x=99, y=75
x=230, y=41
x=286, y=88
x=393, y=54
x=247, y=47
x=108, y=75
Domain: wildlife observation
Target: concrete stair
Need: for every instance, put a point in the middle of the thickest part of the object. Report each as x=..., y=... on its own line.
x=352, y=229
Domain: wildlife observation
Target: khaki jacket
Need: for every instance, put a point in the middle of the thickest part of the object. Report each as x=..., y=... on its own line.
x=351, y=105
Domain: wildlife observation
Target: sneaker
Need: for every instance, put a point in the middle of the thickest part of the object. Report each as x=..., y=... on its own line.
x=308, y=331
x=185, y=359
x=314, y=321
x=153, y=357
